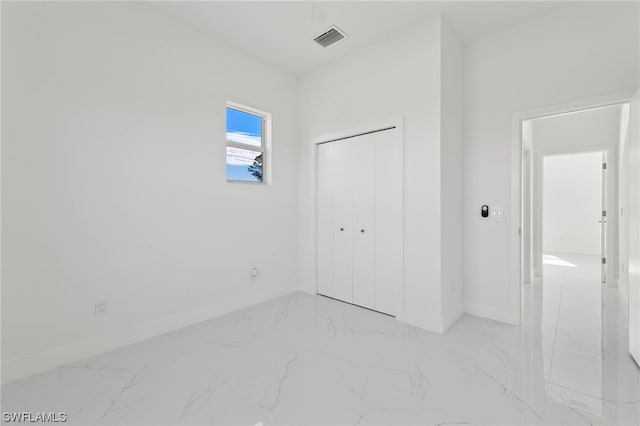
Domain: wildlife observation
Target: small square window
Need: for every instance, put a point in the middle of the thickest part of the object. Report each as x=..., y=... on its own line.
x=245, y=145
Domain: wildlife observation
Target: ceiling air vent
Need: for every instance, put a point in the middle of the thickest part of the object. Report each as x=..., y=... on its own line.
x=330, y=36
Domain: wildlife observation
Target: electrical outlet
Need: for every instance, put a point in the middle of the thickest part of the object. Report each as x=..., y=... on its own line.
x=100, y=307
x=254, y=272
x=497, y=212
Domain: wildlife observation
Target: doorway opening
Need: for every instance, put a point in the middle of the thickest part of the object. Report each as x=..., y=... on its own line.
x=569, y=193
x=574, y=223
x=572, y=188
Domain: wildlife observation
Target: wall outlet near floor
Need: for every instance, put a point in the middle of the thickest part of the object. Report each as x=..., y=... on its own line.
x=100, y=307
x=254, y=272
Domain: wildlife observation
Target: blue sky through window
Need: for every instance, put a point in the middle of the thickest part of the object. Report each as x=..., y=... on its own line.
x=244, y=128
x=243, y=123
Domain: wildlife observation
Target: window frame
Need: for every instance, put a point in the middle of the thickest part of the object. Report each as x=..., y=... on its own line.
x=265, y=141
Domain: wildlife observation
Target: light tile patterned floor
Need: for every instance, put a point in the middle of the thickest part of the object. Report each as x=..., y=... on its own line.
x=311, y=360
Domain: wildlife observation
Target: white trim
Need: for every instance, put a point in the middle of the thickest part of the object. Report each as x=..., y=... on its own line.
x=620, y=284
x=242, y=107
x=526, y=237
x=513, y=314
x=491, y=312
x=247, y=182
x=398, y=124
x=516, y=192
x=25, y=366
x=366, y=128
x=567, y=107
x=246, y=146
x=577, y=150
x=264, y=148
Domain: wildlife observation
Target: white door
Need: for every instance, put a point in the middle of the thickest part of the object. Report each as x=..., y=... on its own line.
x=603, y=222
x=364, y=231
x=343, y=152
x=325, y=231
x=360, y=220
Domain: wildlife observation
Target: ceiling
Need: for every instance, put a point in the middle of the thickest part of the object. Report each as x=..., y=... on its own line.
x=281, y=33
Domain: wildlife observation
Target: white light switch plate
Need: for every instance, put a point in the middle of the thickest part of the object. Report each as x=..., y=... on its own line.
x=497, y=212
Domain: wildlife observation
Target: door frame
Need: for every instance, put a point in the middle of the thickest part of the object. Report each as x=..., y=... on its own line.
x=515, y=221
x=398, y=124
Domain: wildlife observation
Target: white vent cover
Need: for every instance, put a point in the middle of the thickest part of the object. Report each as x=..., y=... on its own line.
x=330, y=36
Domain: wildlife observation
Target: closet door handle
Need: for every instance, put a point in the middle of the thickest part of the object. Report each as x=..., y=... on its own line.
x=362, y=230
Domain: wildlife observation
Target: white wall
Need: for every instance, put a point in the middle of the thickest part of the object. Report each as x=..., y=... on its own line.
x=398, y=76
x=572, y=200
x=623, y=203
x=113, y=164
x=586, y=130
x=113, y=180
x=451, y=176
x=634, y=228
x=578, y=131
x=577, y=52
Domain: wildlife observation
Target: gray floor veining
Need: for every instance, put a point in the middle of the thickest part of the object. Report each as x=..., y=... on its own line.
x=305, y=359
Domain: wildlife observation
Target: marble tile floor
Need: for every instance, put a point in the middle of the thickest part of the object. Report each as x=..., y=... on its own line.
x=310, y=360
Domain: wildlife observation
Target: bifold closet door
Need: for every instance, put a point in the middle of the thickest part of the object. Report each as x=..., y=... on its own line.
x=343, y=154
x=360, y=220
x=363, y=180
x=325, y=219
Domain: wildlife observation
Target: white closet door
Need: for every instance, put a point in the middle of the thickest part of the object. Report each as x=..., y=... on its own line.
x=325, y=219
x=388, y=221
x=343, y=221
x=362, y=170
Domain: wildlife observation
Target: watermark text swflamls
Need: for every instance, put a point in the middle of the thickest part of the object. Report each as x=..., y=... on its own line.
x=27, y=417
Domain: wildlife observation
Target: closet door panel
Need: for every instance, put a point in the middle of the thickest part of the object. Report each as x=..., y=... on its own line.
x=388, y=220
x=343, y=221
x=325, y=219
x=362, y=169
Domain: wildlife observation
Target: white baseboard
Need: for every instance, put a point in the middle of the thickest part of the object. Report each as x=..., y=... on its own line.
x=490, y=312
x=25, y=366
x=623, y=291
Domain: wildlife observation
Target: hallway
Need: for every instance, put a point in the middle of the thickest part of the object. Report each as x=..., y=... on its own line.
x=582, y=328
